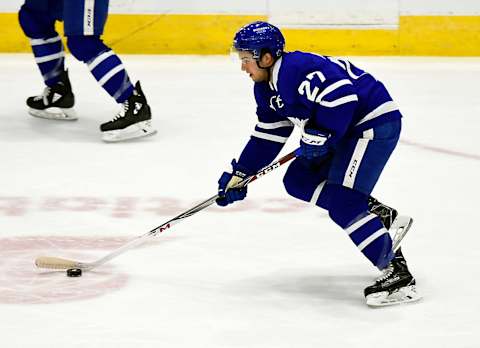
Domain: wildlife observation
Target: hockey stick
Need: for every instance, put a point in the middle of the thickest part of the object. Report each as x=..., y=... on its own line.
x=60, y=263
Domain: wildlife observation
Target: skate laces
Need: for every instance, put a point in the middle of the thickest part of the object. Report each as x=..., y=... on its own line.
x=387, y=272
x=44, y=95
x=122, y=112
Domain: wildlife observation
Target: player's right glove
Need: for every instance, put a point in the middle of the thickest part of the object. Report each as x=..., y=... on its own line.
x=314, y=143
x=228, y=194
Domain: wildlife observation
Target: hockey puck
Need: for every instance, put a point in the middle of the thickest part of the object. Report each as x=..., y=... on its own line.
x=74, y=272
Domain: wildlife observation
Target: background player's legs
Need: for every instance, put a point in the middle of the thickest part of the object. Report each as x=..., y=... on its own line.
x=84, y=24
x=37, y=19
x=104, y=65
x=38, y=24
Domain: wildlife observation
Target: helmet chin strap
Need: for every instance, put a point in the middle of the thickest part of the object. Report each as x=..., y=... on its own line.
x=267, y=68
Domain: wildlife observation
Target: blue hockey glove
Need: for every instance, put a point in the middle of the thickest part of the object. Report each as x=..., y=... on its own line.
x=227, y=181
x=313, y=143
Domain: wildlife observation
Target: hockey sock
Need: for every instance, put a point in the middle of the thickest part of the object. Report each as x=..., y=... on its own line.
x=108, y=70
x=50, y=58
x=104, y=65
x=47, y=47
x=349, y=209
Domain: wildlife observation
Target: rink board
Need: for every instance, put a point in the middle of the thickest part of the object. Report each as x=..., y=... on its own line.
x=212, y=34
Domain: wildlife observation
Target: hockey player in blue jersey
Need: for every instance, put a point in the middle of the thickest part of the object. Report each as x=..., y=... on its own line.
x=349, y=127
x=84, y=22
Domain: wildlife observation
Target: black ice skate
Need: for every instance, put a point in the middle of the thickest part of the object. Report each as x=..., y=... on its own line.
x=133, y=121
x=56, y=102
x=396, y=285
x=397, y=225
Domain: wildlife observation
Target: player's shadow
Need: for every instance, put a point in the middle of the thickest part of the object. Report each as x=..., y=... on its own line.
x=320, y=289
x=82, y=130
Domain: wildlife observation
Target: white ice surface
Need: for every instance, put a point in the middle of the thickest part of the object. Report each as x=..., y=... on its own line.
x=270, y=273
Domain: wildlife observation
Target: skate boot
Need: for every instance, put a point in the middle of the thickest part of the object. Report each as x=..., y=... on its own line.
x=396, y=285
x=397, y=225
x=133, y=121
x=56, y=102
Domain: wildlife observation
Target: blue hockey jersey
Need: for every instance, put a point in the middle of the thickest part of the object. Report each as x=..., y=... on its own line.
x=330, y=93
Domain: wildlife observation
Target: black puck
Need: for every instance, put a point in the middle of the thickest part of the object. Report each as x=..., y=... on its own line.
x=74, y=272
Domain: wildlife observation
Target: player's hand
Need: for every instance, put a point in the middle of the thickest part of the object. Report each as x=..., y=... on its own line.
x=226, y=185
x=313, y=143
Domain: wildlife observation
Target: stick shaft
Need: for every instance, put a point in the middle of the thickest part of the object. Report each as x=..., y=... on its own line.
x=60, y=263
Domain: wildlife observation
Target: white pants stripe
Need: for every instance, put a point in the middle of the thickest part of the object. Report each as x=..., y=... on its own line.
x=88, y=15
x=352, y=169
x=357, y=157
x=317, y=192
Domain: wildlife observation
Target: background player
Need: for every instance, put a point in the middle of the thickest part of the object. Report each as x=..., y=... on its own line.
x=84, y=22
x=349, y=126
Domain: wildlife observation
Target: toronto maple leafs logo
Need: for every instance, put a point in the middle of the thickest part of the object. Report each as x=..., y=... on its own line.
x=276, y=102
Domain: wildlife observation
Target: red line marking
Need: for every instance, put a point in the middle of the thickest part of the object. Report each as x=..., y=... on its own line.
x=441, y=150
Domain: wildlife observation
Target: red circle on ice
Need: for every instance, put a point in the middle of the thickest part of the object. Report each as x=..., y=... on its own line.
x=23, y=283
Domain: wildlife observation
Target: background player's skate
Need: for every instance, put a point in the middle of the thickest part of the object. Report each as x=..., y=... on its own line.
x=56, y=102
x=84, y=40
x=133, y=121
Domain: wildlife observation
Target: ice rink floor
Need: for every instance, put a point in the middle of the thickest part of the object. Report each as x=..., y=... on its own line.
x=269, y=272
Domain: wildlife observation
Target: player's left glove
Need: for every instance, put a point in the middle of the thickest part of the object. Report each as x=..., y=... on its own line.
x=314, y=142
x=228, y=194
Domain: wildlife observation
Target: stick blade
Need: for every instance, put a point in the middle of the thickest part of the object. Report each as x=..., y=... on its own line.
x=55, y=263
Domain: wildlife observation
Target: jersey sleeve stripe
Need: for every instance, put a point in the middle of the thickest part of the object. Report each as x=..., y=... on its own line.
x=334, y=86
x=331, y=88
x=275, y=138
x=339, y=101
x=379, y=111
x=274, y=125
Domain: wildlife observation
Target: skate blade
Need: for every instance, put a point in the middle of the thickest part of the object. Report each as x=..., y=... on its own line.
x=137, y=130
x=400, y=225
x=67, y=114
x=403, y=295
